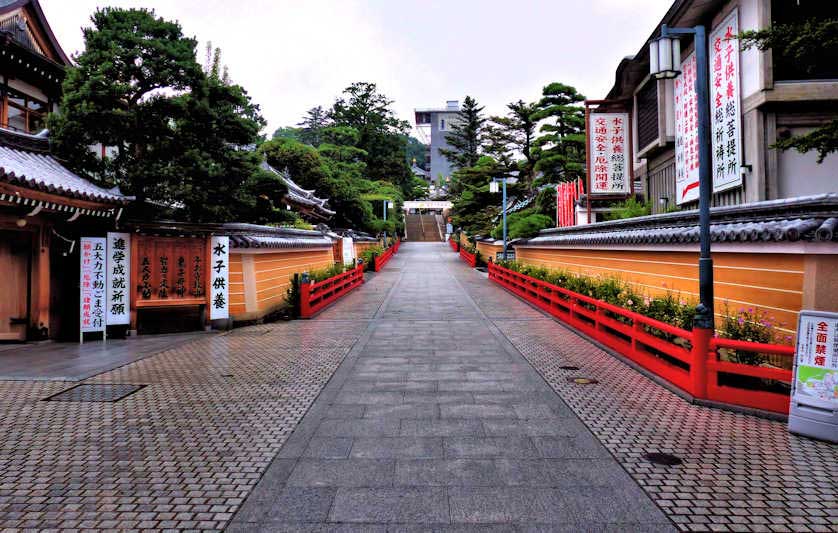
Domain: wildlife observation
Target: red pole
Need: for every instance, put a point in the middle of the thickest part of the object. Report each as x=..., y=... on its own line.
x=305, y=300
x=698, y=361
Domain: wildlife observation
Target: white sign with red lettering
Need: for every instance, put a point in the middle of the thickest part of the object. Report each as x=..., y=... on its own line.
x=686, y=133
x=609, y=152
x=725, y=118
x=92, y=305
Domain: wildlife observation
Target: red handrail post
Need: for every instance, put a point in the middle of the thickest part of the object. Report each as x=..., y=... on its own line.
x=305, y=300
x=701, y=338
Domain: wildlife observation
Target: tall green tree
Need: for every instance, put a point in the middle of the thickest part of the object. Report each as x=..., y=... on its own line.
x=474, y=207
x=311, y=126
x=381, y=132
x=515, y=134
x=560, y=149
x=807, y=44
x=465, y=137
x=179, y=136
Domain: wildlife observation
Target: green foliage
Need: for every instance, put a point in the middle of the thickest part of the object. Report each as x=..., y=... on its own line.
x=415, y=149
x=529, y=226
x=631, y=208
x=179, y=133
x=515, y=134
x=368, y=254
x=311, y=126
x=751, y=325
x=287, y=133
x=474, y=206
x=465, y=136
x=806, y=45
x=420, y=189
x=667, y=308
x=545, y=203
x=329, y=272
x=560, y=150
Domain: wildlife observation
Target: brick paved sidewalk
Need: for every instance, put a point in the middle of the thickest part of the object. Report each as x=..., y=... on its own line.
x=739, y=472
x=435, y=423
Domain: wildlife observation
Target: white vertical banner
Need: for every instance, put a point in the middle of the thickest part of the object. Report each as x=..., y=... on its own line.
x=686, y=133
x=725, y=116
x=348, y=248
x=219, y=272
x=609, y=152
x=118, y=277
x=92, y=291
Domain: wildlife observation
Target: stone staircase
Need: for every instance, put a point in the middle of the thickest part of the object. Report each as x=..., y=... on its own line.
x=422, y=228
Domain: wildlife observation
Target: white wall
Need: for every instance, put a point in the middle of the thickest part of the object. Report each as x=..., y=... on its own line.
x=801, y=175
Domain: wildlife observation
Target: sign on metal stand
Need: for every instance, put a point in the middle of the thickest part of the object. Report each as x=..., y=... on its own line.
x=220, y=277
x=814, y=395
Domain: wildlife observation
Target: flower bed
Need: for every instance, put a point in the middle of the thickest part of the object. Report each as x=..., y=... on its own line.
x=687, y=359
x=468, y=257
x=380, y=260
x=315, y=296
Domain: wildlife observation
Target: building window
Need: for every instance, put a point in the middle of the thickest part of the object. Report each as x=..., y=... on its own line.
x=442, y=124
x=23, y=113
x=647, y=114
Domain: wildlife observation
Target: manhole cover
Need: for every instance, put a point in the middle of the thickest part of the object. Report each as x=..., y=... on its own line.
x=95, y=392
x=583, y=381
x=663, y=459
x=569, y=367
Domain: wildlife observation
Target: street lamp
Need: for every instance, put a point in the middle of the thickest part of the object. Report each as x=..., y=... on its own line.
x=493, y=187
x=664, y=61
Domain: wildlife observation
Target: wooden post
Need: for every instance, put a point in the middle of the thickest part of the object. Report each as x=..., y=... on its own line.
x=132, y=284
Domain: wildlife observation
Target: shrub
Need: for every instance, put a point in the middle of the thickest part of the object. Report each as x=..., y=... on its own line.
x=368, y=254
x=631, y=208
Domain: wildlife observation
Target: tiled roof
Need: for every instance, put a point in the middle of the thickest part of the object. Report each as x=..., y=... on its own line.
x=298, y=195
x=42, y=172
x=809, y=218
x=255, y=236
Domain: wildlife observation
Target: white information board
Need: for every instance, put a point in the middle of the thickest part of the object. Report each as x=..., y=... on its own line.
x=725, y=115
x=348, y=248
x=118, y=277
x=92, y=284
x=219, y=272
x=814, y=394
x=609, y=152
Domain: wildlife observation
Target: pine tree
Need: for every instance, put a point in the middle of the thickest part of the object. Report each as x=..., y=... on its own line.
x=806, y=44
x=560, y=149
x=465, y=137
x=312, y=125
x=515, y=134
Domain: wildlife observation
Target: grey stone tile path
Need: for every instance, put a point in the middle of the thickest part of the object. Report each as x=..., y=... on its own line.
x=435, y=422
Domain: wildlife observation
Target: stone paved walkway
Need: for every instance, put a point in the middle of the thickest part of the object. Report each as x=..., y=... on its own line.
x=435, y=422
x=413, y=404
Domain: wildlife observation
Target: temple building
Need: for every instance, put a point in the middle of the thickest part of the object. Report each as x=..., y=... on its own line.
x=44, y=207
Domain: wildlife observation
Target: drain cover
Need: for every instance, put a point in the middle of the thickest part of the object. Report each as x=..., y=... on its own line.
x=583, y=381
x=95, y=392
x=663, y=459
x=569, y=367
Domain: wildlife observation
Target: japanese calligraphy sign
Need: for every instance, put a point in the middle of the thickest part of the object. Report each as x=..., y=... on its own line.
x=609, y=155
x=725, y=117
x=816, y=363
x=686, y=133
x=219, y=272
x=117, y=278
x=169, y=269
x=92, y=284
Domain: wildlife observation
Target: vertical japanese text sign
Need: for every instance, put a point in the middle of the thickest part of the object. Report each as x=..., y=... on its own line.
x=219, y=270
x=118, y=274
x=725, y=117
x=686, y=133
x=92, y=284
x=609, y=152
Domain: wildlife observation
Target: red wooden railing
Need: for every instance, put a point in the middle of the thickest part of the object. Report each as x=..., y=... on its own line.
x=453, y=244
x=316, y=296
x=687, y=359
x=380, y=260
x=469, y=258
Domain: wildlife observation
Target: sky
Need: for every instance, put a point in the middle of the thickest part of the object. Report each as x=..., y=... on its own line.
x=292, y=55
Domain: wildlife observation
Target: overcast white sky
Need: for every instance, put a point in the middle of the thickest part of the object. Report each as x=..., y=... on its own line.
x=292, y=55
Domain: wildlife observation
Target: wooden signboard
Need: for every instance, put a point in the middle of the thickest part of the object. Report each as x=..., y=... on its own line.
x=168, y=271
